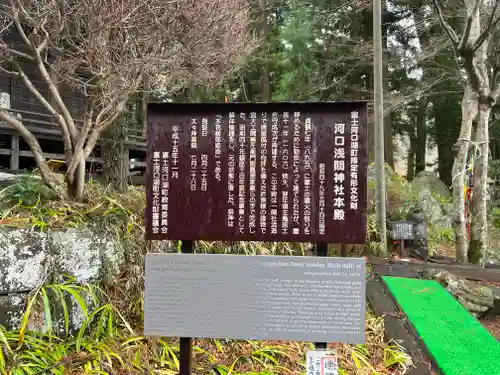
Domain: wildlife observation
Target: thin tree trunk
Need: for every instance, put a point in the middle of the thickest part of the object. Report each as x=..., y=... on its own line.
x=410, y=166
x=479, y=74
x=48, y=177
x=421, y=140
x=479, y=227
x=469, y=112
x=76, y=189
x=115, y=165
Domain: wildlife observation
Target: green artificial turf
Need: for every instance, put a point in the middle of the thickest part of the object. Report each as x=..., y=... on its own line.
x=458, y=342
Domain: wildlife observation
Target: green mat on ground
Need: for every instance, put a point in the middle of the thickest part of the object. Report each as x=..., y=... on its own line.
x=458, y=342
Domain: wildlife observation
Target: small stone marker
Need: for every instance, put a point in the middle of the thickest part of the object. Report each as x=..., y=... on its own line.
x=321, y=362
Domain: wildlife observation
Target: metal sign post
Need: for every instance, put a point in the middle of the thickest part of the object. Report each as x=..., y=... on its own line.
x=321, y=251
x=186, y=343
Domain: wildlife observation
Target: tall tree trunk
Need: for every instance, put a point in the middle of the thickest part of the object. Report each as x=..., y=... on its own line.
x=445, y=161
x=478, y=71
x=410, y=166
x=446, y=119
x=469, y=112
x=421, y=146
x=479, y=228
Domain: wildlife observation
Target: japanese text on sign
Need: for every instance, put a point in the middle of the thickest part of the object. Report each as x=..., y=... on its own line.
x=264, y=172
x=321, y=362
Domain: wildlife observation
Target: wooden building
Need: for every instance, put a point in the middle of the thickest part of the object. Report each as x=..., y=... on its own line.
x=15, y=153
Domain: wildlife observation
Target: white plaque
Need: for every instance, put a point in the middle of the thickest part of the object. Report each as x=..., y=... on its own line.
x=321, y=362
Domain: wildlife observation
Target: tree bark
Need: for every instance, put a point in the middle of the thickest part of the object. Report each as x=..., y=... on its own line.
x=469, y=112
x=48, y=177
x=445, y=161
x=410, y=166
x=479, y=227
x=478, y=73
x=112, y=153
x=421, y=146
x=76, y=188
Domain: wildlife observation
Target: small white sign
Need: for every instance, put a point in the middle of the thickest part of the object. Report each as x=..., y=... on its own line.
x=321, y=362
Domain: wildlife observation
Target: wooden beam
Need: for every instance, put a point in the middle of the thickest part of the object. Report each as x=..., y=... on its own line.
x=15, y=152
x=49, y=155
x=467, y=271
x=55, y=134
x=394, y=326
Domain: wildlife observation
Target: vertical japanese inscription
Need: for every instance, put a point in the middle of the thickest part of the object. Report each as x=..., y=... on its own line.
x=252, y=198
x=354, y=184
x=204, y=156
x=321, y=199
x=218, y=148
x=193, y=165
x=263, y=208
x=231, y=170
x=274, y=173
x=175, y=152
x=307, y=171
x=339, y=169
x=296, y=161
x=155, y=223
x=165, y=185
x=285, y=176
x=242, y=137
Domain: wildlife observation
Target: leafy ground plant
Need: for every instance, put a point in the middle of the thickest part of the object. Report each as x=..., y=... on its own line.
x=107, y=343
x=109, y=338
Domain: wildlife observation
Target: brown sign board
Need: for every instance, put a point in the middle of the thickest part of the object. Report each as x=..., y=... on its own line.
x=293, y=172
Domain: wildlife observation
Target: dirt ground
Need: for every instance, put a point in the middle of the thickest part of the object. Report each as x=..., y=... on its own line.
x=492, y=324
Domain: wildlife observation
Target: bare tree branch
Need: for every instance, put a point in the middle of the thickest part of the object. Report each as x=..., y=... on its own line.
x=464, y=41
x=36, y=93
x=105, y=50
x=492, y=22
x=446, y=26
x=36, y=150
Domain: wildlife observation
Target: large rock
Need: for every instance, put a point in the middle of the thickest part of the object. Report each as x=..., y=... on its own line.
x=28, y=258
x=478, y=299
x=430, y=181
x=432, y=209
x=419, y=245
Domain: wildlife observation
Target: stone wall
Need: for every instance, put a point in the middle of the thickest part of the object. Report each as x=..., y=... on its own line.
x=29, y=257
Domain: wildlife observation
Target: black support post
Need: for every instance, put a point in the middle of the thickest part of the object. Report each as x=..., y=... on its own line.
x=321, y=251
x=186, y=343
